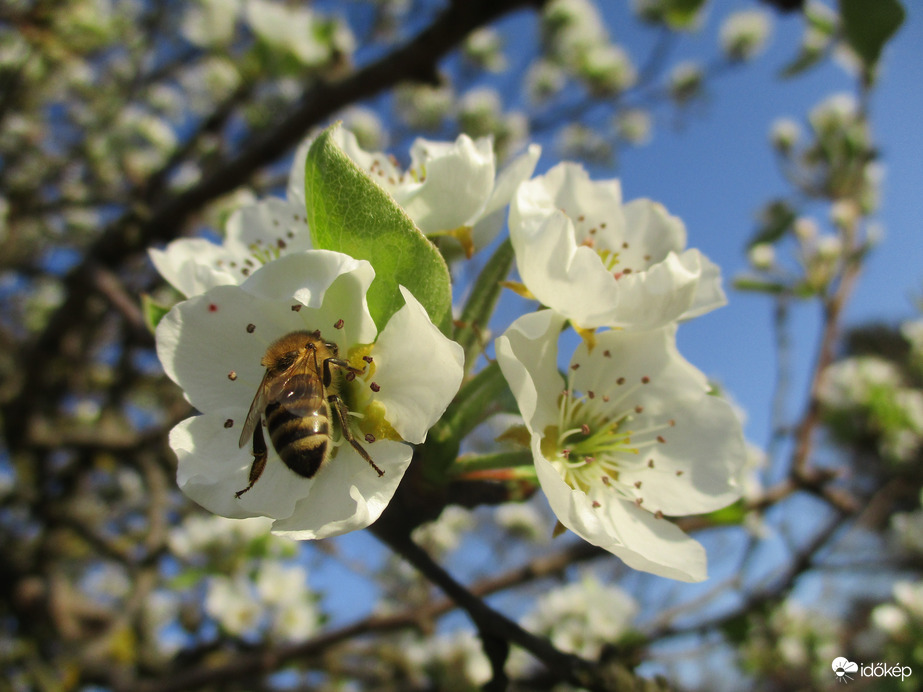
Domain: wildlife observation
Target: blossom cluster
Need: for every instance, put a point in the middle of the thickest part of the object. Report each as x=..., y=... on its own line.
x=628, y=436
x=630, y=433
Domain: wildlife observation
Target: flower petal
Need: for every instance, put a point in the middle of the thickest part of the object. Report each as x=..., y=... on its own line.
x=266, y=229
x=637, y=537
x=193, y=265
x=459, y=178
x=494, y=213
x=527, y=353
x=418, y=369
x=213, y=468
x=347, y=493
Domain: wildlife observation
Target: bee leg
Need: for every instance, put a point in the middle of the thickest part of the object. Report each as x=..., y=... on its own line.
x=338, y=406
x=259, y=459
x=339, y=362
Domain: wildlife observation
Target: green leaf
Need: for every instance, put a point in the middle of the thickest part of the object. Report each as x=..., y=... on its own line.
x=682, y=14
x=869, y=24
x=153, y=311
x=776, y=218
x=804, y=61
x=350, y=213
x=757, y=285
x=731, y=515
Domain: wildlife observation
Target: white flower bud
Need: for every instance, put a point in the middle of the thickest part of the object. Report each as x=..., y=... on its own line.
x=744, y=34
x=762, y=256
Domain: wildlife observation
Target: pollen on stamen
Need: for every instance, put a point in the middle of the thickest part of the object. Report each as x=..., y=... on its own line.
x=585, y=429
x=367, y=359
x=650, y=463
x=606, y=398
x=638, y=485
x=565, y=453
x=639, y=409
x=591, y=394
x=339, y=324
x=296, y=308
x=679, y=473
x=245, y=271
x=661, y=439
x=658, y=514
x=232, y=376
x=605, y=480
x=596, y=504
x=369, y=437
x=575, y=366
x=375, y=387
x=638, y=501
x=620, y=381
x=229, y=423
x=281, y=244
x=350, y=376
x=625, y=245
x=607, y=354
x=251, y=328
x=645, y=380
x=212, y=307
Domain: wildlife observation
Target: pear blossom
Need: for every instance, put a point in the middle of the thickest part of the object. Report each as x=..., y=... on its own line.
x=255, y=234
x=629, y=436
x=212, y=346
x=744, y=34
x=449, y=185
x=599, y=262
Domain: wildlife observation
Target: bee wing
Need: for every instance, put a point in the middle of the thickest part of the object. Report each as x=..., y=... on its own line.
x=256, y=411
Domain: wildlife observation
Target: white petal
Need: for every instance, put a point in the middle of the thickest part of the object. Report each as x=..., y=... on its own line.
x=459, y=181
x=651, y=230
x=709, y=293
x=265, y=229
x=334, y=283
x=193, y=265
x=658, y=296
x=636, y=536
x=212, y=468
x=527, y=353
x=494, y=212
x=418, y=369
x=703, y=437
x=347, y=493
x=294, y=192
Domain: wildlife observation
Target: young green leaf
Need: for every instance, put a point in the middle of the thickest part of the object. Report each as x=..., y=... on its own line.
x=868, y=25
x=349, y=213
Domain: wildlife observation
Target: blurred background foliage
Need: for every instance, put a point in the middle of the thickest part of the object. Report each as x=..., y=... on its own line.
x=126, y=124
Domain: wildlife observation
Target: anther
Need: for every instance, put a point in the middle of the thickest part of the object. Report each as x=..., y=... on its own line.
x=232, y=376
x=575, y=366
x=606, y=398
x=671, y=423
x=605, y=480
x=620, y=380
x=281, y=243
x=638, y=485
x=596, y=504
x=658, y=514
x=350, y=376
x=679, y=473
x=369, y=437
x=339, y=324
x=212, y=307
x=661, y=440
x=650, y=463
x=565, y=453
x=638, y=501
x=639, y=409
x=367, y=359
x=229, y=423
x=591, y=394
x=607, y=354
x=645, y=379
x=296, y=308
x=585, y=429
x=251, y=328
x=375, y=387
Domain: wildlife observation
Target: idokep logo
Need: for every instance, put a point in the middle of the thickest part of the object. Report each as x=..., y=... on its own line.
x=843, y=668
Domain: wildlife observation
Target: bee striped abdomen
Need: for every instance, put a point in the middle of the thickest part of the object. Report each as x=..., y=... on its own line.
x=299, y=425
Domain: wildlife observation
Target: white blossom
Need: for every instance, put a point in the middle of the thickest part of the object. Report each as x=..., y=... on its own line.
x=212, y=345
x=629, y=437
x=599, y=262
x=744, y=34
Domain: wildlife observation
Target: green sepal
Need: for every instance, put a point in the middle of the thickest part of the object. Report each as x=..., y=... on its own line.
x=480, y=305
x=348, y=212
x=153, y=311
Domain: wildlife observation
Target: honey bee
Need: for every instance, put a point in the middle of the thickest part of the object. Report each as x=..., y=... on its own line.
x=295, y=398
